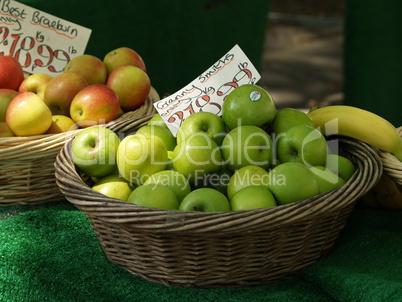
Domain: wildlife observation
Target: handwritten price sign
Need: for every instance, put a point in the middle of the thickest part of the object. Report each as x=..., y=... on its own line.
x=42, y=43
x=208, y=91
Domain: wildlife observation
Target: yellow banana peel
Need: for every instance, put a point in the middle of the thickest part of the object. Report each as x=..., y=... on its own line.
x=360, y=124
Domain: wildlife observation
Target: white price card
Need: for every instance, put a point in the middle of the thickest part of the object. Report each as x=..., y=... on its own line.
x=208, y=91
x=42, y=43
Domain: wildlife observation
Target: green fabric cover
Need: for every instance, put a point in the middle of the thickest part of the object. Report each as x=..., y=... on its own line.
x=52, y=254
x=178, y=39
x=372, y=57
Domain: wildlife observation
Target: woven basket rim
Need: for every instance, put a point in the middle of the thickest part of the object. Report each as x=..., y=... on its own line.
x=16, y=140
x=392, y=165
x=151, y=219
x=27, y=163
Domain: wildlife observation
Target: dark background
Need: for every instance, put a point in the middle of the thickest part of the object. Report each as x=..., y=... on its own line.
x=180, y=39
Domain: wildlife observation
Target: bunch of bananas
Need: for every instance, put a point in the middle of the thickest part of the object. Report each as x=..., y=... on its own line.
x=387, y=194
x=372, y=129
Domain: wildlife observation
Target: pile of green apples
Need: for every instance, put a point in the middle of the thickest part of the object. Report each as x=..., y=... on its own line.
x=89, y=91
x=252, y=156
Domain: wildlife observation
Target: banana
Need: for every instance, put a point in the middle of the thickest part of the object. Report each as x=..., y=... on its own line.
x=369, y=200
x=386, y=194
x=360, y=124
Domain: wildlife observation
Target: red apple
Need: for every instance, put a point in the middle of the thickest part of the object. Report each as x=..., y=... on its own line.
x=28, y=115
x=131, y=84
x=61, y=90
x=11, y=73
x=94, y=105
x=6, y=96
x=123, y=56
x=90, y=67
x=35, y=83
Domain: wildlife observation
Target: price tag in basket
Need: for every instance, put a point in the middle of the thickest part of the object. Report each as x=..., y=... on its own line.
x=42, y=43
x=208, y=91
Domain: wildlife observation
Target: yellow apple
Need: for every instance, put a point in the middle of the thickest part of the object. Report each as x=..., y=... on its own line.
x=27, y=115
x=35, y=83
x=113, y=186
x=60, y=124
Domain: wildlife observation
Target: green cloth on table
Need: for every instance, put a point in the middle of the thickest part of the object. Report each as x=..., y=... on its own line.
x=52, y=254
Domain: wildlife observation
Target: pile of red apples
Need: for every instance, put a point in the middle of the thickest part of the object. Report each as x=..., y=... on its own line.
x=88, y=92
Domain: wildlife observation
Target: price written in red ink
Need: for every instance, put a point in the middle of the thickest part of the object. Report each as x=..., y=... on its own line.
x=22, y=48
x=41, y=42
x=202, y=99
x=209, y=90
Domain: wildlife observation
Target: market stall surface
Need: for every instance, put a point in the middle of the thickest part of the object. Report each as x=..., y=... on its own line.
x=52, y=254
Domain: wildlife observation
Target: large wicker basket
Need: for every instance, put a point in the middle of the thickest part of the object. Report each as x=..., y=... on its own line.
x=27, y=163
x=224, y=249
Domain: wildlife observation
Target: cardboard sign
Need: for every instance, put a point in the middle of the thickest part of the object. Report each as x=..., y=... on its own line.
x=42, y=43
x=209, y=90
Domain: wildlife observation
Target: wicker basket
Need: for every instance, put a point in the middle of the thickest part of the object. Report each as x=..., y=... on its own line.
x=27, y=163
x=392, y=165
x=224, y=249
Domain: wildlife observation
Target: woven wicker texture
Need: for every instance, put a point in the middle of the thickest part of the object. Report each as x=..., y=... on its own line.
x=225, y=249
x=27, y=163
x=392, y=165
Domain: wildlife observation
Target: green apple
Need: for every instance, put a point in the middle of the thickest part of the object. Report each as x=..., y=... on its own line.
x=217, y=180
x=131, y=84
x=327, y=180
x=205, y=200
x=139, y=156
x=247, y=176
x=302, y=144
x=286, y=118
x=197, y=156
x=252, y=197
x=90, y=67
x=94, y=151
x=290, y=182
x=247, y=145
x=157, y=120
x=162, y=132
x=27, y=115
x=169, y=164
x=174, y=180
x=94, y=105
x=5, y=131
x=6, y=96
x=248, y=104
x=203, y=121
x=113, y=186
x=154, y=196
x=341, y=166
x=123, y=56
x=61, y=90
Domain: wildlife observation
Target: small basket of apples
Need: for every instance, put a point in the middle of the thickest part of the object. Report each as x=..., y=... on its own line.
x=40, y=112
x=245, y=199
